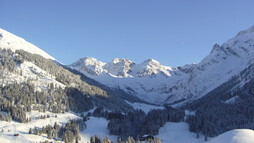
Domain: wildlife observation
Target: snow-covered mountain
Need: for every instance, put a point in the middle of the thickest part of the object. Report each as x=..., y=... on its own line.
x=28, y=69
x=155, y=83
x=13, y=42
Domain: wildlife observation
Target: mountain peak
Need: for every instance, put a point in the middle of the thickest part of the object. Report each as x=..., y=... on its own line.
x=89, y=65
x=91, y=60
x=151, y=62
x=215, y=47
x=118, y=60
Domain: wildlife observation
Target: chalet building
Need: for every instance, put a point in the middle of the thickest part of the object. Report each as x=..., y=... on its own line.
x=147, y=137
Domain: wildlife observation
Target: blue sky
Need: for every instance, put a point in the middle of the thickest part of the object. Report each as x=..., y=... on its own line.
x=174, y=32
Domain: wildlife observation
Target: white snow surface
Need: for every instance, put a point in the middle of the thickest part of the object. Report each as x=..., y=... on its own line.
x=235, y=136
x=178, y=133
x=13, y=42
x=158, y=84
x=96, y=126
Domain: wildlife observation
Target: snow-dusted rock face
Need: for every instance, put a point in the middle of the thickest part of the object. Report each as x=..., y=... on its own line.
x=91, y=65
x=13, y=42
x=119, y=67
x=160, y=84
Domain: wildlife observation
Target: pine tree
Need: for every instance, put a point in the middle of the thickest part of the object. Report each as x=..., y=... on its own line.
x=68, y=137
x=49, y=133
x=197, y=135
x=130, y=140
x=206, y=139
x=105, y=140
x=30, y=131
x=35, y=131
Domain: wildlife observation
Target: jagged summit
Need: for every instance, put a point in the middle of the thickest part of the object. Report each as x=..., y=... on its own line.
x=89, y=64
x=151, y=61
x=13, y=42
x=118, y=60
x=120, y=67
x=215, y=47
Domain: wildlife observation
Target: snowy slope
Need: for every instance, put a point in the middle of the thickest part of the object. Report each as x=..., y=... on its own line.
x=13, y=42
x=178, y=133
x=38, y=77
x=155, y=83
x=235, y=136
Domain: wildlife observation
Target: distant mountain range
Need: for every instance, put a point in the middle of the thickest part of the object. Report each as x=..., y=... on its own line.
x=152, y=82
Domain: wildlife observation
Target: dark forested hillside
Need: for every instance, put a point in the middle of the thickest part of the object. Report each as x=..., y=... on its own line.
x=137, y=123
x=230, y=106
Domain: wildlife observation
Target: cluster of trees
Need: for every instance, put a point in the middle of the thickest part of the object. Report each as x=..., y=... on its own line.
x=96, y=139
x=137, y=123
x=8, y=60
x=78, y=102
x=7, y=117
x=17, y=99
x=155, y=119
x=67, y=133
x=214, y=115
